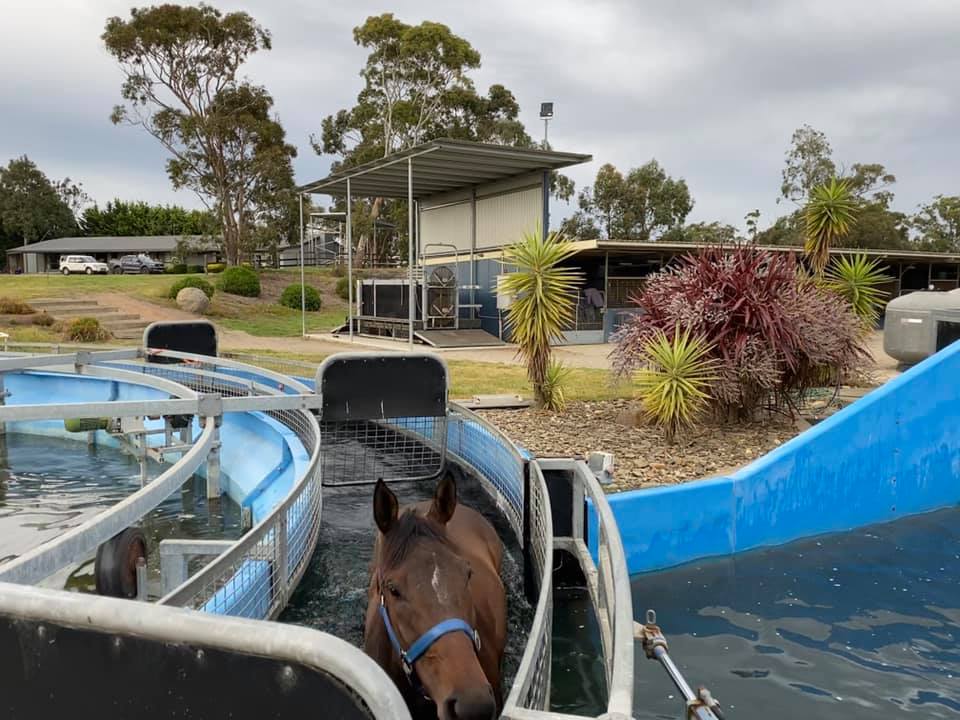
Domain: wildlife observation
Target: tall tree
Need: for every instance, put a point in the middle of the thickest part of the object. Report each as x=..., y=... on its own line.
x=181, y=85
x=641, y=205
x=118, y=217
x=809, y=164
x=937, y=224
x=31, y=209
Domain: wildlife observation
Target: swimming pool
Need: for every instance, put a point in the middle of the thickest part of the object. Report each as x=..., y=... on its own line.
x=851, y=625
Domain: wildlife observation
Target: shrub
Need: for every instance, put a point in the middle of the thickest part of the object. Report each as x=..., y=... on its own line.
x=675, y=381
x=188, y=281
x=554, y=380
x=42, y=319
x=290, y=297
x=339, y=269
x=176, y=269
x=343, y=288
x=240, y=280
x=86, y=329
x=10, y=306
x=773, y=332
x=215, y=268
x=856, y=280
x=194, y=268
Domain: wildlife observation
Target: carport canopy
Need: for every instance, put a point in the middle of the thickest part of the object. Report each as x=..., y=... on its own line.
x=441, y=166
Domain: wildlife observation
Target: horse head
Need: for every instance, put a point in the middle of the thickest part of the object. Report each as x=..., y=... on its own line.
x=427, y=607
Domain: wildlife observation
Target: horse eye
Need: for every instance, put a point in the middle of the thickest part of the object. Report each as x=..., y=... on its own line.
x=469, y=574
x=394, y=590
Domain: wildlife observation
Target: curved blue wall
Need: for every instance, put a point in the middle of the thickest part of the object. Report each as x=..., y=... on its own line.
x=259, y=457
x=894, y=452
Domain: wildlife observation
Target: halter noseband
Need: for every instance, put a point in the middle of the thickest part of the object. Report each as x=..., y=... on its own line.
x=409, y=656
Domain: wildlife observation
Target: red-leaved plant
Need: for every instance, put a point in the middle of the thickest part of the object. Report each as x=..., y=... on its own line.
x=775, y=333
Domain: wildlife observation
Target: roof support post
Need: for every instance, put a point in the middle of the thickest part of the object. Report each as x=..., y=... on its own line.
x=349, y=261
x=546, y=203
x=410, y=255
x=303, y=294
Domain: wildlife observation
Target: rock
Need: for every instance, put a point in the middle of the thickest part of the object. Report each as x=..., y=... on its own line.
x=193, y=300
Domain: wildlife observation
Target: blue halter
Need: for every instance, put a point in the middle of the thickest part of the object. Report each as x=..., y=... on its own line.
x=412, y=654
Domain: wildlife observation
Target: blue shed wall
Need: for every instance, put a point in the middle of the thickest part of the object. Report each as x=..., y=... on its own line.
x=895, y=452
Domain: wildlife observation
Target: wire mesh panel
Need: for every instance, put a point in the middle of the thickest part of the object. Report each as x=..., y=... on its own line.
x=531, y=686
x=383, y=416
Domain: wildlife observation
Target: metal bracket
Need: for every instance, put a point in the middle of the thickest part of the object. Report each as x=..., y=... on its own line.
x=210, y=405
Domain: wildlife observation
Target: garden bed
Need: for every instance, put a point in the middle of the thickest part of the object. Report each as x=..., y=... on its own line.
x=643, y=457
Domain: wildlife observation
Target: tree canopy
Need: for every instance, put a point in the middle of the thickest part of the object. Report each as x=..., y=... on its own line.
x=937, y=224
x=31, y=206
x=119, y=217
x=181, y=85
x=641, y=205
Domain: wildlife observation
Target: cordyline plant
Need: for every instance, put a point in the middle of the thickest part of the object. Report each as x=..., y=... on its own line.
x=828, y=215
x=773, y=332
x=544, y=302
x=675, y=379
x=857, y=280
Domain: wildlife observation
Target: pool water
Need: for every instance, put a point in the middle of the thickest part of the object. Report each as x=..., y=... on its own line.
x=862, y=624
x=49, y=485
x=332, y=596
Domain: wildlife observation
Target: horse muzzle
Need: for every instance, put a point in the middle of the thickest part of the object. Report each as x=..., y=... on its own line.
x=472, y=704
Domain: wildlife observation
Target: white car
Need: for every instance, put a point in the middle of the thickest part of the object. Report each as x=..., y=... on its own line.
x=82, y=264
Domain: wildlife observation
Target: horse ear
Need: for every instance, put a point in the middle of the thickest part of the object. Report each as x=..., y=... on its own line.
x=385, y=507
x=444, y=500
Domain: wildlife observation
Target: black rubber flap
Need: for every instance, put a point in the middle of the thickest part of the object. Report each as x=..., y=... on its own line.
x=199, y=338
x=373, y=387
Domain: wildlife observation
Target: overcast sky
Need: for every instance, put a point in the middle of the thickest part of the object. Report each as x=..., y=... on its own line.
x=711, y=89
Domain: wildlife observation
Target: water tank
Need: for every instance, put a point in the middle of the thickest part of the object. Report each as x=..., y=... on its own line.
x=919, y=324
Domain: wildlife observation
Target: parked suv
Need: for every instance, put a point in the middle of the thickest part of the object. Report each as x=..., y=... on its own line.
x=136, y=264
x=82, y=264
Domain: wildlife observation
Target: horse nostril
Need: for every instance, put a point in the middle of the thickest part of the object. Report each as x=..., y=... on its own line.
x=450, y=709
x=471, y=706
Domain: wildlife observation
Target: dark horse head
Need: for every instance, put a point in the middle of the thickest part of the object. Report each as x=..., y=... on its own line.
x=424, y=630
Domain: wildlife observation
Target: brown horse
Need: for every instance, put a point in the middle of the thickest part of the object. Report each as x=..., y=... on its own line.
x=437, y=612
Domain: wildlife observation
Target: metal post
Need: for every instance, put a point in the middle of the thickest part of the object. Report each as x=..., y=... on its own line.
x=349, y=260
x=213, y=461
x=303, y=289
x=410, y=240
x=3, y=400
x=606, y=293
x=141, y=579
x=473, y=251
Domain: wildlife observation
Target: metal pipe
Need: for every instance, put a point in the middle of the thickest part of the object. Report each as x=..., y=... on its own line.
x=303, y=289
x=410, y=258
x=141, y=579
x=349, y=261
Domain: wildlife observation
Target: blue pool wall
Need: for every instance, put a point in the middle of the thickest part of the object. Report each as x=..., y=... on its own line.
x=894, y=452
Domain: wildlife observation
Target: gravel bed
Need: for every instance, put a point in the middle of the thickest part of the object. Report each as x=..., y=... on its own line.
x=642, y=457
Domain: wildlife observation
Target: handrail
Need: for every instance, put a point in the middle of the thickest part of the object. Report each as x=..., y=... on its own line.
x=45, y=559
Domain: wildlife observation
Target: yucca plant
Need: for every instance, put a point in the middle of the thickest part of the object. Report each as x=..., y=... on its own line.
x=544, y=304
x=553, y=382
x=828, y=215
x=857, y=281
x=675, y=382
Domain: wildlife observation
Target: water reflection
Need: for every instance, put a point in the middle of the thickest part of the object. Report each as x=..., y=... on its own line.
x=842, y=626
x=49, y=485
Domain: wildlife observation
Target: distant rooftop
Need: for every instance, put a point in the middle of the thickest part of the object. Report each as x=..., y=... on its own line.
x=113, y=243
x=440, y=166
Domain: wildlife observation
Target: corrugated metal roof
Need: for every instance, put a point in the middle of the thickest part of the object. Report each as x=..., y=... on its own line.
x=113, y=244
x=440, y=166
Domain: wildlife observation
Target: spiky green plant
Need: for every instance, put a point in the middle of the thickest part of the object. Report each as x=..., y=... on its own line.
x=857, y=279
x=675, y=381
x=543, y=305
x=553, y=395
x=828, y=215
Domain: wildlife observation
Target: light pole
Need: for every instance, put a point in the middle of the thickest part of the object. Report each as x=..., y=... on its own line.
x=546, y=114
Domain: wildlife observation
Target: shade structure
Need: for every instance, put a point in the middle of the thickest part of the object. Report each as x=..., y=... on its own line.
x=441, y=166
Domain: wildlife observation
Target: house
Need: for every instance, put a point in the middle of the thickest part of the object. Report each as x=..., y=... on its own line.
x=44, y=256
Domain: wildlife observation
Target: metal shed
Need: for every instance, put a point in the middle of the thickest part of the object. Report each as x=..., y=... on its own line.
x=921, y=323
x=468, y=199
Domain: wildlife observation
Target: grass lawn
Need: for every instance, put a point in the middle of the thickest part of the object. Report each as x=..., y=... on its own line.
x=477, y=378
x=24, y=287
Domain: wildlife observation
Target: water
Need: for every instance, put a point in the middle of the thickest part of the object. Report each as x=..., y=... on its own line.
x=49, y=485
x=861, y=624
x=332, y=596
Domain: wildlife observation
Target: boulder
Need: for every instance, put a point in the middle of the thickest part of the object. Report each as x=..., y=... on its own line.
x=193, y=300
